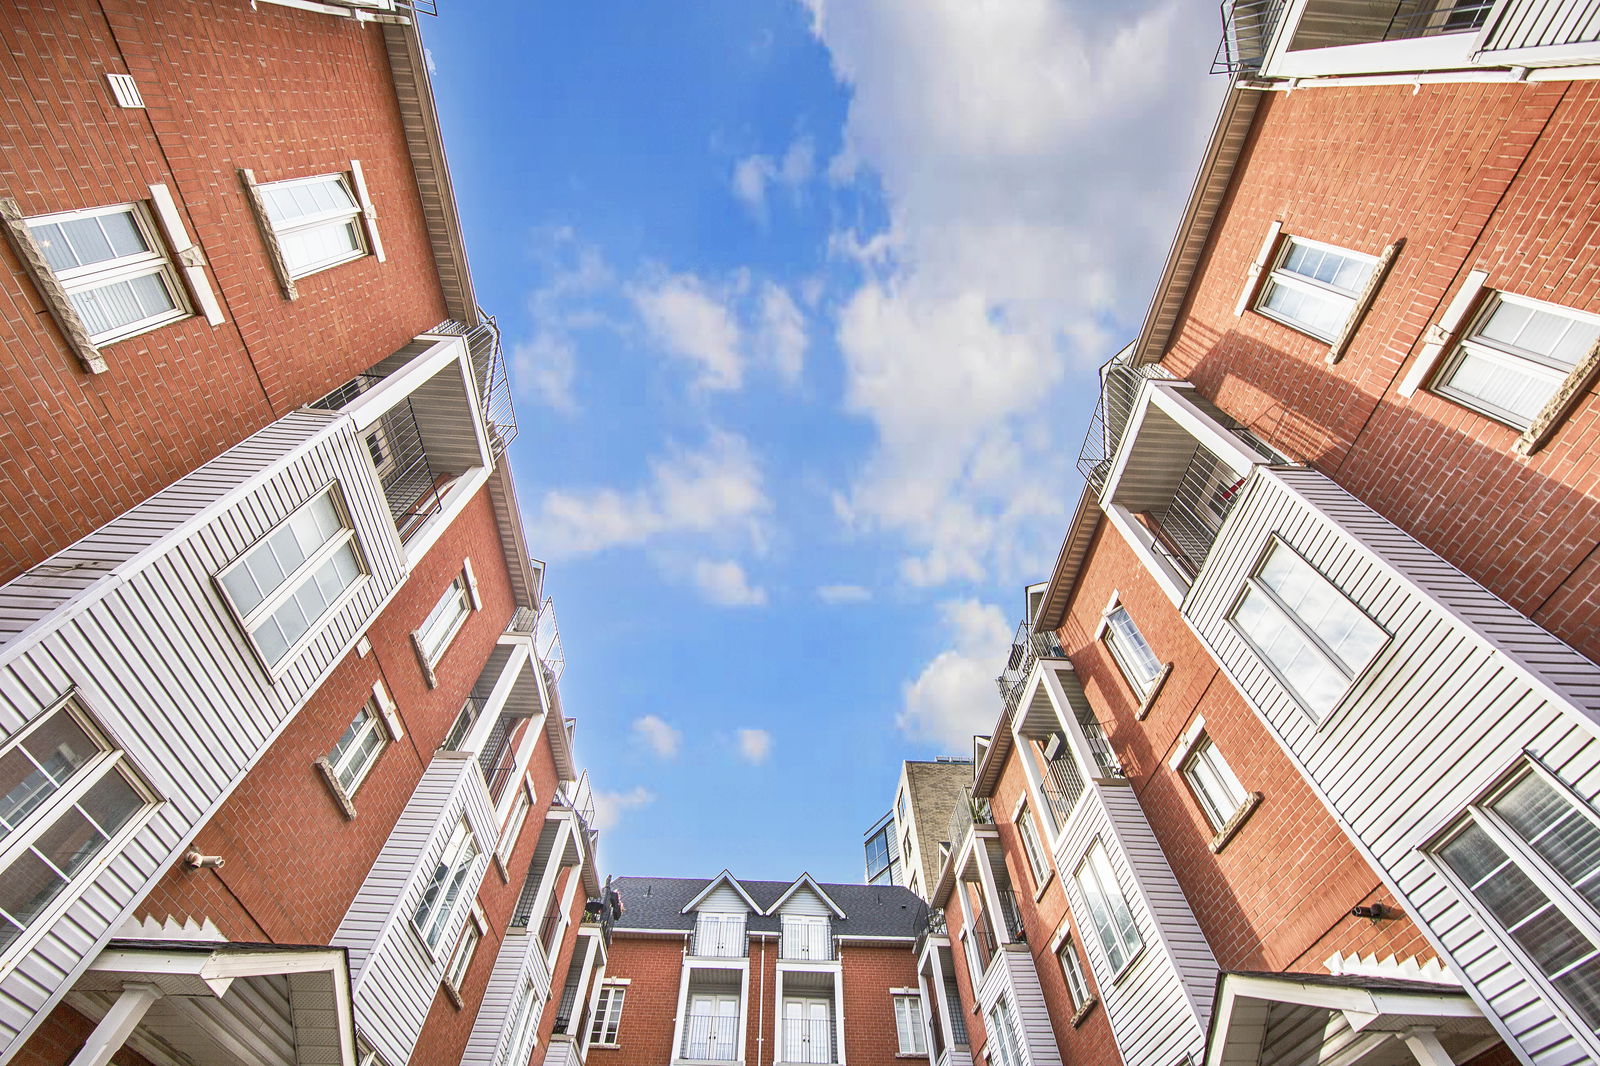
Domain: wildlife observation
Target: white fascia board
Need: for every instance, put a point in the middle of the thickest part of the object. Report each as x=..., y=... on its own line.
x=456, y=498
x=1412, y=55
x=724, y=876
x=807, y=881
x=1169, y=396
x=1172, y=583
x=374, y=403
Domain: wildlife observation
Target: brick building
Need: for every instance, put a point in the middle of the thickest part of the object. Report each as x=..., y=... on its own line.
x=285, y=769
x=1297, y=753
x=721, y=970
x=902, y=847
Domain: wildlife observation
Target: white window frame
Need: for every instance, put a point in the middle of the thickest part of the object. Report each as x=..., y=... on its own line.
x=1279, y=275
x=1033, y=846
x=1352, y=672
x=523, y=1035
x=1217, y=790
x=1072, y=969
x=606, y=1025
x=908, y=1020
x=1127, y=658
x=1095, y=870
x=1556, y=889
x=110, y=759
x=1003, y=1032
x=466, y=946
x=375, y=724
x=343, y=216
x=124, y=268
x=433, y=645
x=1471, y=343
x=517, y=814
x=431, y=919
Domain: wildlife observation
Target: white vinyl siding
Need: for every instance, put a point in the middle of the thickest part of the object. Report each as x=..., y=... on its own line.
x=1003, y=1035
x=1108, y=909
x=1072, y=967
x=67, y=794
x=1530, y=856
x=444, y=888
x=113, y=269
x=908, y=1025
x=357, y=751
x=1314, y=287
x=607, y=1014
x=444, y=621
x=289, y=580
x=1132, y=653
x=1214, y=783
x=1515, y=356
x=1038, y=864
x=316, y=220
x=1312, y=636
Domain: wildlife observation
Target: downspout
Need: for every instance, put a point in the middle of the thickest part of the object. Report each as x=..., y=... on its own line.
x=761, y=997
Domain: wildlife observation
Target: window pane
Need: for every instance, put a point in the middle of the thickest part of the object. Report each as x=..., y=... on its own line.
x=107, y=308
x=1296, y=660
x=306, y=249
x=111, y=802
x=28, y=887
x=69, y=843
x=1345, y=272
x=1581, y=988
x=1513, y=389
x=1320, y=313
x=1557, y=831
x=1133, y=652
x=1322, y=608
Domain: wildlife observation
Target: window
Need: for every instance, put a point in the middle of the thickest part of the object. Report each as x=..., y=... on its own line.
x=1316, y=640
x=1530, y=856
x=445, y=886
x=1108, y=909
x=882, y=862
x=806, y=937
x=1037, y=863
x=1072, y=967
x=1003, y=1033
x=294, y=576
x=908, y=1025
x=1314, y=287
x=455, y=970
x=112, y=268
x=358, y=749
x=1514, y=357
x=316, y=221
x=1213, y=782
x=1131, y=651
x=607, y=1014
x=518, y=815
x=719, y=935
x=65, y=796
x=444, y=621
x=524, y=1026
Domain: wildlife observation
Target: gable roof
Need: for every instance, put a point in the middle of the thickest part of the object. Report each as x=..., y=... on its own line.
x=725, y=877
x=805, y=880
x=662, y=904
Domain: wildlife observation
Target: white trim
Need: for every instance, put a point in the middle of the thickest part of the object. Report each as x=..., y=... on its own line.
x=1438, y=335
x=805, y=879
x=369, y=215
x=388, y=710
x=473, y=595
x=1252, y=281
x=187, y=252
x=727, y=876
x=1187, y=742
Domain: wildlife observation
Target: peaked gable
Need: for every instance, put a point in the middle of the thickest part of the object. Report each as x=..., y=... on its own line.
x=805, y=885
x=720, y=895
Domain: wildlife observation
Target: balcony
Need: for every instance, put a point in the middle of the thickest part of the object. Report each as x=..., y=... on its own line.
x=809, y=1040
x=805, y=941
x=969, y=811
x=1063, y=785
x=1027, y=648
x=720, y=938
x=711, y=1037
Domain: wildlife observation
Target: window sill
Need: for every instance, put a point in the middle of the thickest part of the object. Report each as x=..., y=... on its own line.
x=1149, y=699
x=1084, y=1011
x=1038, y=893
x=1235, y=822
x=1127, y=967
x=452, y=993
x=345, y=801
x=605, y=1047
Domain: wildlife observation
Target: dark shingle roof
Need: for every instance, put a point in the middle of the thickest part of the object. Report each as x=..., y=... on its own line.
x=870, y=910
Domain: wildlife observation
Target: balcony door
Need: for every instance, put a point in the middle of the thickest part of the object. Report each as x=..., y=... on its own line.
x=807, y=1029
x=711, y=1031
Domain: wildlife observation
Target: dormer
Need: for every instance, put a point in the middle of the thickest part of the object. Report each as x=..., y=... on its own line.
x=720, y=911
x=806, y=913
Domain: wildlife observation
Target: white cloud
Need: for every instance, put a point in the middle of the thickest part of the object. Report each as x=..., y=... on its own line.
x=609, y=806
x=843, y=594
x=755, y=746
x=753, y=174
x=1032, y=155
x=782, y=334
x=694, y=323
x=658, y=736
x=577, y=281
x=546, y=366
x=726, y=585
x=955, y=696
x=716, y=490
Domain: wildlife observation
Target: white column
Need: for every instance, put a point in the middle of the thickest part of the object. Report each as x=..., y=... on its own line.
x=118, y=1024
x=938, y=991
x=478, y=735
x=588, y=982
x=991, y=894
x=1425, y=1047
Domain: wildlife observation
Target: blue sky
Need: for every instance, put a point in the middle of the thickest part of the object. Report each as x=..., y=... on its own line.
x=802, y=301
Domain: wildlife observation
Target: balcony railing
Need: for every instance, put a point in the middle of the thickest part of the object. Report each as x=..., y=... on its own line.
x=719, y=940
x=1012, y=913
x=489, y=376
x=466, y=718
x=1100, y=747
x=933, y=924
x=1247, y=29
x=808, y=1040
x=550, y=928
x=982, y=940
x=969, y=811
x=412, y=488
x=1027, y=648
x=498, y=760
x=1185, y=529
x=711, y=1037
x=1119, y=391
x=1063, y=785
x=806, y=941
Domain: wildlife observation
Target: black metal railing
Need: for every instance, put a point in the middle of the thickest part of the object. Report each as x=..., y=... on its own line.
x=719, y=940
x=806, y=941
x=411, y=487
x=489, y=377
x=550, y=927
x=1011, y=912
x=498, y=760
x=1120, y=383
x=983, y=943
x=1247, y=29
x=1063, y=785
x=808, y=1040
x=711, y=1037
x=1027, y=648
x=1432, y=18
x=1187, y=526
x=1099, y=745
x=932, y=924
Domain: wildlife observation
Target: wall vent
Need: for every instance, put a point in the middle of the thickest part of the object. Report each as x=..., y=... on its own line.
x=124, y=89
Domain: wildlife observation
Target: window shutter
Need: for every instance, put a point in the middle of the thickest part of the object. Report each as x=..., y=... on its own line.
x=369, y=215
x=388, y=710
x=472, y=585
x=1252, y=279
x=186, y=252
x=1438, y=335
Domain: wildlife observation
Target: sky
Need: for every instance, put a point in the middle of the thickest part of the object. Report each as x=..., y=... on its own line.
x=802, y=302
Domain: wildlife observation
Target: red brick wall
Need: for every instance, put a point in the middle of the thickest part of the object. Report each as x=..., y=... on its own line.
x=1489, y=176
x=654, y=966
x=290, y=879
x=964, y=982
x=870, y=1037
x=287, y=93
x=1278, y=895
